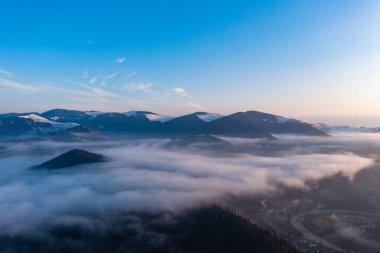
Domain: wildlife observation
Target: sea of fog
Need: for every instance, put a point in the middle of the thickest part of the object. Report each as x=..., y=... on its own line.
x=151, y=175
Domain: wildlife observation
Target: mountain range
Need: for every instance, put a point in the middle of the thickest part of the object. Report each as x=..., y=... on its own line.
x=94, y=125
x=346, y=129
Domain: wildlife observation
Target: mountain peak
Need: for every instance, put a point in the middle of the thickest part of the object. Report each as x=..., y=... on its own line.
x=72, y=158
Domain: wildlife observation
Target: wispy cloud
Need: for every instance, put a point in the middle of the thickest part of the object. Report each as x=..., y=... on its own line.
x=104, y=93
x=137, y=102
x=53, y=93
x=132, y=73
x=140, y=86
x=81, y=90
x=120, y=60
x=85, y=74
x=193, y=105
x=93, y=80
x=6, y=73
x=113, y=75
x=17, y=85
x=97, y=89
x=100, y=92
x=180, y=91
x=61, y=91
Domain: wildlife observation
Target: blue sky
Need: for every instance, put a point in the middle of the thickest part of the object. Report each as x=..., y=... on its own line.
x=314, y=60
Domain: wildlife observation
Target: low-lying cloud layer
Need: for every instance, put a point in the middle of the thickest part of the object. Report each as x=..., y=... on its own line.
x=144, y=176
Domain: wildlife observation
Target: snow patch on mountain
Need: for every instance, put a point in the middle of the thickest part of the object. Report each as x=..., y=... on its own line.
x=208, y=117
x=283, y=120
x=156, y=117
x=130, y=113
x=36, y=118
x=54, y=126
x=93, y=114
x=149, y=115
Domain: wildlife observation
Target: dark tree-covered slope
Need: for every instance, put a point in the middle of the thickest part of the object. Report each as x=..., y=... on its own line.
x=204, y=230
x=72, y=158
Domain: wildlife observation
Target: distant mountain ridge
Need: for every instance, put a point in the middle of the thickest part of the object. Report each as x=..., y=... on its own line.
x=250, y=124
x=346, y=129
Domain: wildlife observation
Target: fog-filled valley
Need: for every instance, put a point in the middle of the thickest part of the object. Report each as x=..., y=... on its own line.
x=148, y=188
x=169, y=126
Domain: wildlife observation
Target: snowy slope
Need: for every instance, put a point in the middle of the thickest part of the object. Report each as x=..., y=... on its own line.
x=156, y=117
x=149, y=115
x=54, y=126
x=131, y=113
x=93, y=114
x=208, y=117
x=36, y=118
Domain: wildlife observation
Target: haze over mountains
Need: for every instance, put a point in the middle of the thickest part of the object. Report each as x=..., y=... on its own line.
x=190, y=126
x=105, y=186
x=61, y=122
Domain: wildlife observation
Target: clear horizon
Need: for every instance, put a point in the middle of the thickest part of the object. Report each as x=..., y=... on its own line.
x=314, y=61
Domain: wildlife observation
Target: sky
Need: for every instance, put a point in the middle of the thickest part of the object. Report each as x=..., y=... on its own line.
x=314, y=60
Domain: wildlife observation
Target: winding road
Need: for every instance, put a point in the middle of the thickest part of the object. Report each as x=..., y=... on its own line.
x=297, y=224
